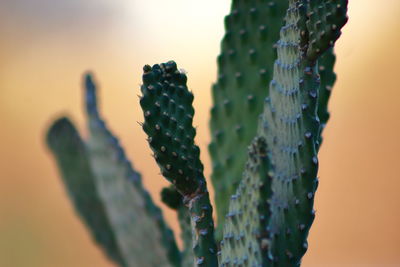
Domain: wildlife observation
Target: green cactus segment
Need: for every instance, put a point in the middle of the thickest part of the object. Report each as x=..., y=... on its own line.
x=245, y=223
x=204, y=246
x=171, y=197
x=328, y=77
x=291, y=127
x=168, y=114
x=73, y=161
x=132, y=213
x=174, y=200
x=325, y=20
x=186, y=236
x=244, y=71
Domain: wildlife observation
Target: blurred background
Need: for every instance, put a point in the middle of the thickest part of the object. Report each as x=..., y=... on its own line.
x=45, y=47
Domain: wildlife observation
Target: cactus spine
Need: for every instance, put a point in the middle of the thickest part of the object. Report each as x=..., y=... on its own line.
x=272, y=101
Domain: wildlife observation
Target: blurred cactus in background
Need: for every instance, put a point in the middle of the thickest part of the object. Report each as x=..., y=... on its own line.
x=275, y=74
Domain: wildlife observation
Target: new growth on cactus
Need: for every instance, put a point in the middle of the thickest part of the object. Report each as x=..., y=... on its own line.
x=275, y=74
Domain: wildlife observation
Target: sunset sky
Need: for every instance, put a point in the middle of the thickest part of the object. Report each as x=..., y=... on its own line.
x=46, y=46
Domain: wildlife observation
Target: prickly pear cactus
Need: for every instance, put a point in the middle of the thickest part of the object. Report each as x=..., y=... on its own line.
x=275, y=78
x=168, y=114
x=127, y=203
x=72, y=158
x=291, y=129
x=248, y=212
x=109, y=194
x=244, y=71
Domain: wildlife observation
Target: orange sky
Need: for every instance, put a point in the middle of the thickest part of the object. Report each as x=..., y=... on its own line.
x=45, y=48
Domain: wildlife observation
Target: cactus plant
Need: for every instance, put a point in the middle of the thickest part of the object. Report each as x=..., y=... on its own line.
x=275, y=74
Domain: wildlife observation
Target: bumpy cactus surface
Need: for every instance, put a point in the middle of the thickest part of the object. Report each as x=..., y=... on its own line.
x=275, y=75
x=244, y=72
x=108, y=192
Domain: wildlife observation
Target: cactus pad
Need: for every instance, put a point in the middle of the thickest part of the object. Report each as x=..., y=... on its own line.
x=168, y=114
x=291, y=127
x=325, y=21
x=73, y=161
x=244, y=228
x=133, y=214
x=244, y=71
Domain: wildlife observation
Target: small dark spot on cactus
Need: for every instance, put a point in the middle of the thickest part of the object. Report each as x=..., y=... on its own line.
x=262, y=29
x=221, y=79
x=239, y=78
x=231, y=54
x=253, y=12
x=275, y=140
x=308, y=71
x=239, y=130
x=252, y=55
x=313, y=93
x=146, y=68
x=308, y=135
x=227, y=106
x=200, y=261
x=310, y=195
x=315, y=160
x=270, y=256
x=229, y=160
x=271, y=4
x=235, y=13
x=302, y=227
x=263, y=74
x=203, y=232
x=288, y=231
x=228, y=37
x=181, y=90
x=243, y=35
x=170, y=66
x=250, y=98
x=289, y=254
